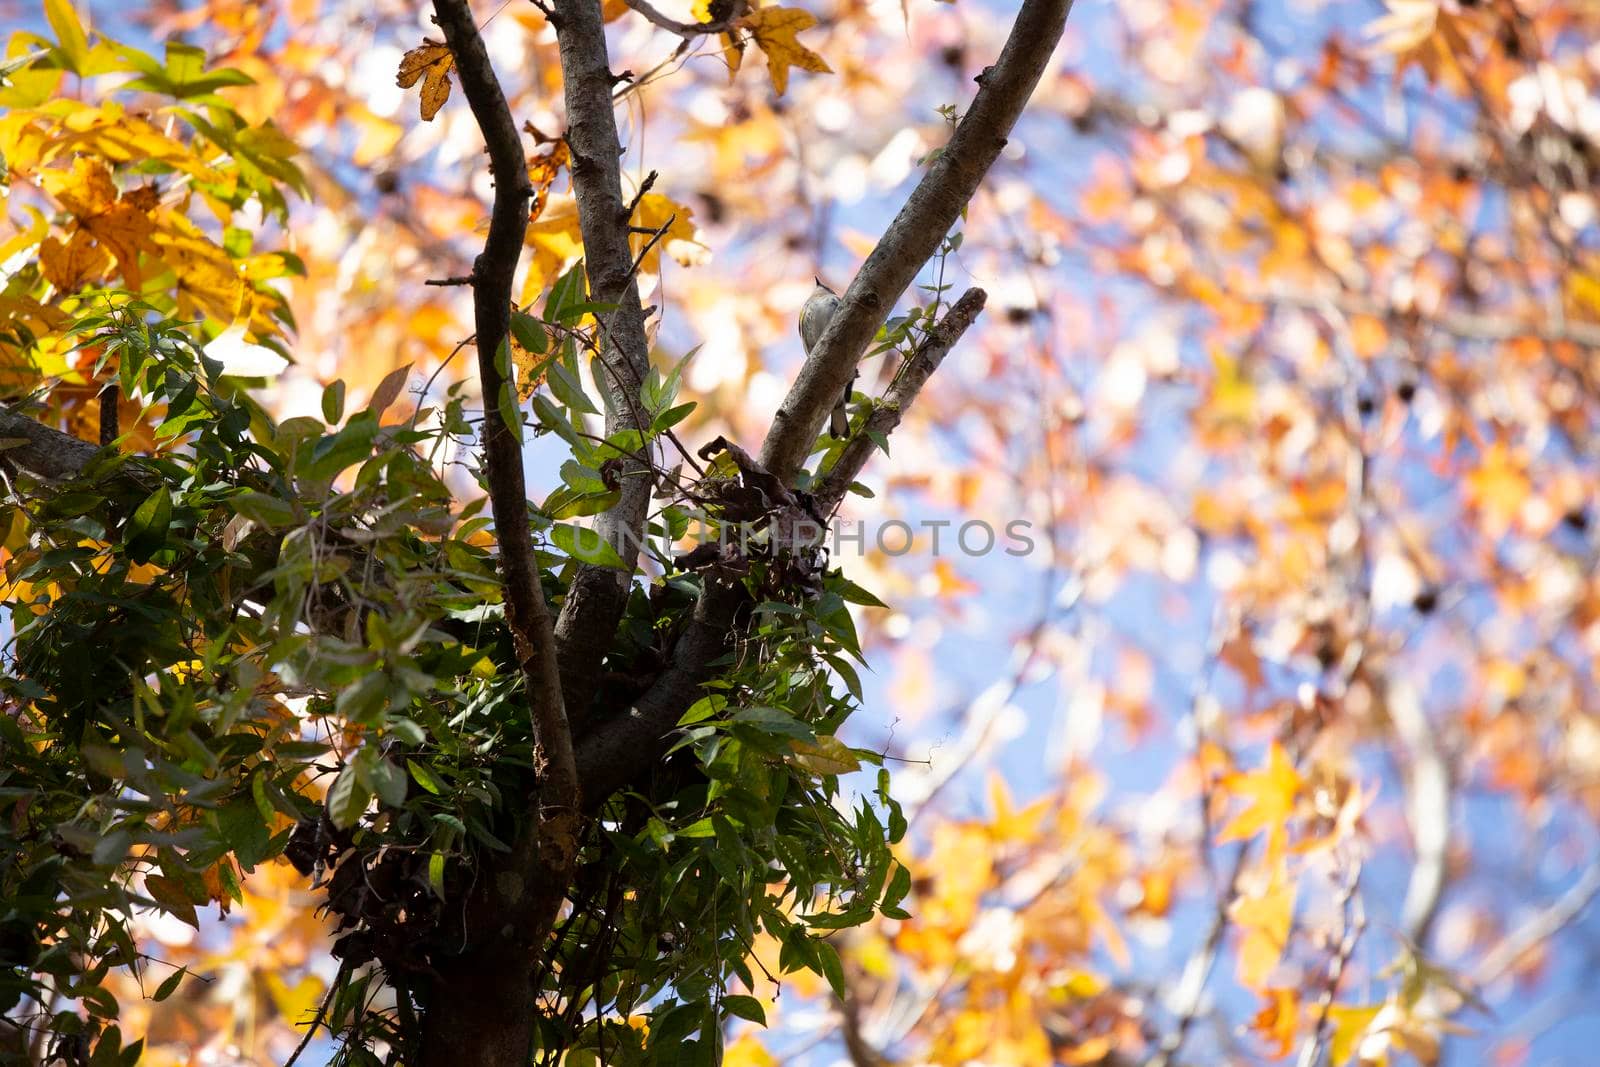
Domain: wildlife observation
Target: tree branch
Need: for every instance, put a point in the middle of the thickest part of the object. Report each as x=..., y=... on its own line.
x=597, y=596
x=617, y=751
x=492, y=274
x=687, y=30
x=886, y=415
x=914, y=236
x=39, y=450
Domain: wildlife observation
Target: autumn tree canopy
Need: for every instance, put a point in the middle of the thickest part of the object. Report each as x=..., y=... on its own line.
x=439, y=629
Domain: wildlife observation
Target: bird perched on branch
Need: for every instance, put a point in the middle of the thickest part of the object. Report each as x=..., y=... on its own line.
x=814, y=318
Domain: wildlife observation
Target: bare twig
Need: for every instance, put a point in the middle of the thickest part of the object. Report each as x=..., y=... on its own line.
x=687, y=30
x=1538, y=928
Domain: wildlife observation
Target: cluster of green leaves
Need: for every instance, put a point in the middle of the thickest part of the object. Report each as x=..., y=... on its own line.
x=746, y=830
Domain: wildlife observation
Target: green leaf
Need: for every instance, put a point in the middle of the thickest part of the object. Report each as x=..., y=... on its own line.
x=347, y=798
x=857, y=595
x=703, y=708
x=568, y=390
x=828, y=966
x=671, y=417
x=899, y=886
x=387, y=780
x=169, y=985
x=424, y=777
x=333, y=402
x=510, y=410
x=529, y=333
x=745, y=1008
x=584, y=544
x=569, y=289
x=263, y=508
x=336, y=451
x=146, y=533
x=774, y=721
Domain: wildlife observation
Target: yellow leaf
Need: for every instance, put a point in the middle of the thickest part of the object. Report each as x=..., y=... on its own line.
x=1350, y=1023
x=68, y=266
x=295, y=1003
x=68, y=30
x=1271, y=793
x=1263, y=919
x=748, y=1051
x=775, y=29
x=654, y=213
x=208, y=280
x=732, y=53
x=431, y=61
x=556, y=241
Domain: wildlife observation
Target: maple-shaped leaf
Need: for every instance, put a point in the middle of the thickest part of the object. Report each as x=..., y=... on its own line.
x=1271, y=793
x=1428, y=34
x=430, y=61
x=556, y=240
x=69, y=264
x=121, y=224
x=775, y=30
x=1498, y=488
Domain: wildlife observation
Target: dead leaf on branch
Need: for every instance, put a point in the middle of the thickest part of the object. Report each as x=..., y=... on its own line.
x=431, y=62
x=545, y=168
x=775, y=30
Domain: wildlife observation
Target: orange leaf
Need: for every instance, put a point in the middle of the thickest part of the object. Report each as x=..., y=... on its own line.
x=775, y=29
x=431, y=61
x=1278, y=1020
x=68, y=266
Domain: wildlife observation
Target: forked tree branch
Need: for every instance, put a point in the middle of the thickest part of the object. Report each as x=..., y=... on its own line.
x=914, y=236
x=597, y=595
x=835, y=482
x=622, y=749
x=615, y=752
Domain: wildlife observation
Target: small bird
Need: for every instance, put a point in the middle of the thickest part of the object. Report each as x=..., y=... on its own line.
x=814, y=318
